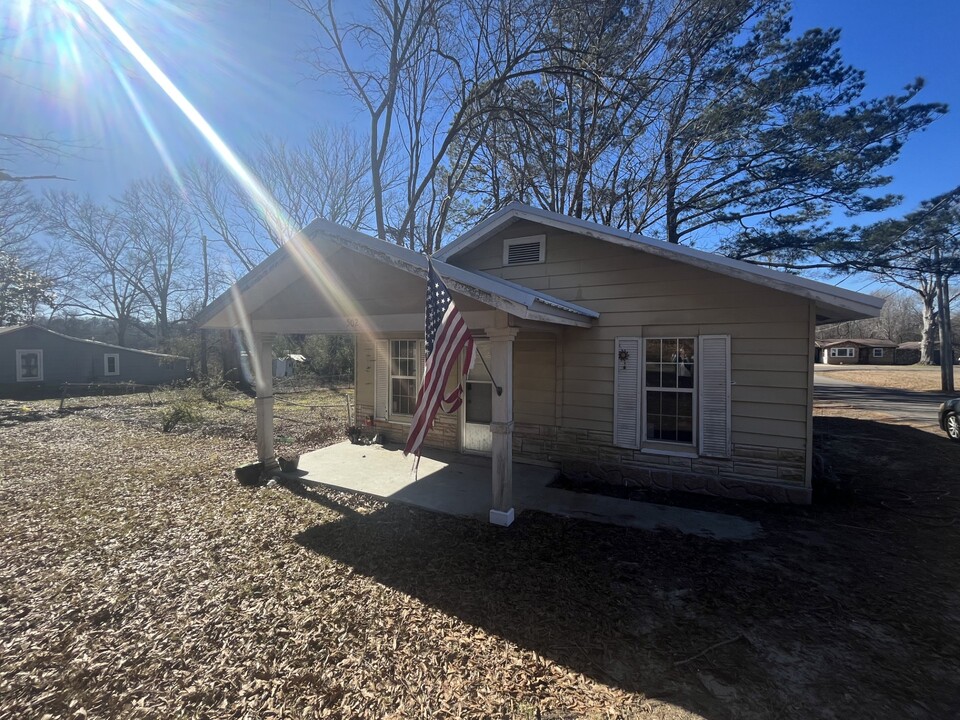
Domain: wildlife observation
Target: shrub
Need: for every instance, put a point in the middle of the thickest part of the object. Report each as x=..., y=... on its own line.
x=185, y=409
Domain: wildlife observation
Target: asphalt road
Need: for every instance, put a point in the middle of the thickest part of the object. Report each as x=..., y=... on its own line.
x=916, y=408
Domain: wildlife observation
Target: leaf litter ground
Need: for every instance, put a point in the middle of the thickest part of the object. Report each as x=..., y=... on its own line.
x=137, y=579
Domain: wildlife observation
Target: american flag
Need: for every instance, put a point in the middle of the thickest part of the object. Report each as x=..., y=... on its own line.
x=446, y=334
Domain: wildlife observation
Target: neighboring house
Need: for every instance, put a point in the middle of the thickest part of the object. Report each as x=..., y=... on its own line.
x=856, y=351
x=34, y=357
x=621, y=358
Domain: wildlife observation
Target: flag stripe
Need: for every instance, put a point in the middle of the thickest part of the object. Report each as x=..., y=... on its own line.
x=445, y=336
x=448, y=346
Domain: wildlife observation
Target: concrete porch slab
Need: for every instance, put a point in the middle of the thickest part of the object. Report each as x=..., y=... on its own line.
x=460, y=485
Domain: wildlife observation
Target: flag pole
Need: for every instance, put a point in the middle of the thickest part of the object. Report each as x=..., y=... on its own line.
x=485, y=367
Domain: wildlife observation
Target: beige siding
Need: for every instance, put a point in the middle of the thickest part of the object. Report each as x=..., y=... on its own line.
x=534, y=379
x=639, y=294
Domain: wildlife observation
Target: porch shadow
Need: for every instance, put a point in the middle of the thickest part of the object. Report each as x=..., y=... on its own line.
x=788, y=625
x=600, y=600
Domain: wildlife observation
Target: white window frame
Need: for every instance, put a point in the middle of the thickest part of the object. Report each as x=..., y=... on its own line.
x=878, y=352
x=670, y=446
x=390, y=376
x=847, y=352
x=106, y=364
x=39, y=354
x=510, y=242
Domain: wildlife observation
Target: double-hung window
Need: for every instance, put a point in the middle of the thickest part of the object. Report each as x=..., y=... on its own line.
x=878, y=352
x=403, y=377
x=673, y=395
x=841, y=352
x=670, y=374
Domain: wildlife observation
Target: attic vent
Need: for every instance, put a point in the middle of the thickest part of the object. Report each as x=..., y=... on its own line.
x=524, y=250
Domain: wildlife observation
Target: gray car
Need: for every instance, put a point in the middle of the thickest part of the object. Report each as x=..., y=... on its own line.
x=950, y=418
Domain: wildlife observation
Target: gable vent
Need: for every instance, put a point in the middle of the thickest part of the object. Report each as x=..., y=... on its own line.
x=521, y=251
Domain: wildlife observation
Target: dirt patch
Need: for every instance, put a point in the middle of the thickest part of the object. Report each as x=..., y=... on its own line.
x=137, y=579
x=912, y=377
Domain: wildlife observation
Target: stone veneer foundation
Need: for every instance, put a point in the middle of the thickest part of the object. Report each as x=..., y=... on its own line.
x=753, y=472
x=586, y=455
x=444, y=434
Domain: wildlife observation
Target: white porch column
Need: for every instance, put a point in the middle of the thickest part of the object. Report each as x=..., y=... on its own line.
x=501, y=367
x=263, y=375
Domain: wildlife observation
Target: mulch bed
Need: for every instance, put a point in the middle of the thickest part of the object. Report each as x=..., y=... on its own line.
x=138, y=579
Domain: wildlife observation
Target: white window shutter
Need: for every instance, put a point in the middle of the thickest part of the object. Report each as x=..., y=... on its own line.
x=626, y=392
x=381, y=379
x=714, y=364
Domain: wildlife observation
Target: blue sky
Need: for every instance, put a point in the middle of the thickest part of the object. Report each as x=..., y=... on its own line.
x=237, y=62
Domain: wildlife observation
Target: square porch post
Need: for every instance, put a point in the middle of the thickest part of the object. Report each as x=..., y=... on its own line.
x=263, y=377
x=501, y=367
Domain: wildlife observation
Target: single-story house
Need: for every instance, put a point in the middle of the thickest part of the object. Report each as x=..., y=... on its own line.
x=856, y=351
x=34, y=357
x=621, y=358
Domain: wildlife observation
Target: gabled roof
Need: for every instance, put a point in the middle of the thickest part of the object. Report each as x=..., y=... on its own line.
x=17, y=328
x=866, y=342
x=833, y=303
x=493, y=291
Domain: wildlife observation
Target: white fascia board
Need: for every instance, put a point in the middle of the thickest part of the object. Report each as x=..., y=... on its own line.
x=831, y=297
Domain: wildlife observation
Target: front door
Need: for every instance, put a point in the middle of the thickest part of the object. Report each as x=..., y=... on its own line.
x=478, y=406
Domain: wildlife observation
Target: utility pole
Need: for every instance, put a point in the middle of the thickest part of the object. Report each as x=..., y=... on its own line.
x=943, y=310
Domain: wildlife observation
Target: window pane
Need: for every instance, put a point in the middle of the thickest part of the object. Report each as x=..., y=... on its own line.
x=479, y=402
x=653, y=402
x=668, y=427
x=653, y=350
x=686, y=349
x=668, y=376
x=668, y=404
x=653, y=375
x=403, y=397
x=30, y=365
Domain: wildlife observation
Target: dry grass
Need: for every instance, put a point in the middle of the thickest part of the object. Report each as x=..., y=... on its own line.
x=137, y=579
x=902, y=377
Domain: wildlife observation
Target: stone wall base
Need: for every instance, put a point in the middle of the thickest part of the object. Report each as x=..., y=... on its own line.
x=677, y=480
x=752, y=472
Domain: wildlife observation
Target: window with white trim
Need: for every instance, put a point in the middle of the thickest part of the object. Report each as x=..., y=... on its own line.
x=669, y=373
x=843, y=352
x=403, y=377
x=29, y=365
x=111, y=364
x=878, y=352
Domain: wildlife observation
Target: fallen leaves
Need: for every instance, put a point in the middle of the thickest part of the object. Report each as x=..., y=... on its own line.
x=139, y=580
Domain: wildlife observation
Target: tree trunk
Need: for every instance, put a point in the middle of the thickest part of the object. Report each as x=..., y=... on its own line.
x=204, y=367
x=928, y=335
x=230, y=357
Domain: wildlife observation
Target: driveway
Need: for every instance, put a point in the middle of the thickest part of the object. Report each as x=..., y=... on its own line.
x=914, y=408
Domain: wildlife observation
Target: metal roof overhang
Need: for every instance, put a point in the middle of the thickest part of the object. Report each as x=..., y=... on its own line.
x=333, y=279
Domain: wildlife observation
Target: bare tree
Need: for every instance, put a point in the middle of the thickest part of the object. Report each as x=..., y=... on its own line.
x=98, y=276
x=429, y=75
x=328, y=177
x=160, y=224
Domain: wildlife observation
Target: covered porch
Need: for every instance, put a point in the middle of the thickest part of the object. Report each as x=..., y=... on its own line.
x=457, y=484
x=335, y=280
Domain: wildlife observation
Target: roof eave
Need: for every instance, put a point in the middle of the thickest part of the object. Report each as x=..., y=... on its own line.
x=838, y=304
x=221, y=312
